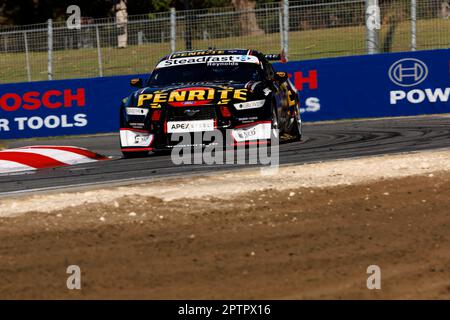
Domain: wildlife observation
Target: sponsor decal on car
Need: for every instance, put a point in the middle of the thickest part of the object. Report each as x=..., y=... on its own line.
x=190, y=126
x=252, y=132
x=187, y=96
x=208, y=60
x=196, y=53
x=222, y=64
x=135, y=138
x=245, y=134
x=136, y=111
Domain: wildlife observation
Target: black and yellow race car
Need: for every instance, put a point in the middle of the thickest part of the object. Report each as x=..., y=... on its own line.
x=236, y=92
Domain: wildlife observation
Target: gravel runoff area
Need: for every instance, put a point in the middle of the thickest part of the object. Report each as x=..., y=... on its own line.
x=307, y=231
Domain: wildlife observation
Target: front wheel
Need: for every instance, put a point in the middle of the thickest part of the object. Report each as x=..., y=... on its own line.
x=297, y=125
x=275, y=130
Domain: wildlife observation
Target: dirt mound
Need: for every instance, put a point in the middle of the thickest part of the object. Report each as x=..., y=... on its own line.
x=303, y=242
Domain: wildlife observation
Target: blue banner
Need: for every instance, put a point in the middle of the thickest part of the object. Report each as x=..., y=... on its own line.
x=62, y=107
x=384, y=85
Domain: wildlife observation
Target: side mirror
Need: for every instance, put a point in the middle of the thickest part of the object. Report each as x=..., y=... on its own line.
x=281, y=76
x=136, y=82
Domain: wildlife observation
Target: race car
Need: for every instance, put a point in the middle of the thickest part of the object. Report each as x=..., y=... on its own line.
x=235, y=91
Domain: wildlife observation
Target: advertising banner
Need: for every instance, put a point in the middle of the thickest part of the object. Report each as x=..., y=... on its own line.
x=383, y=85
x=62, y=107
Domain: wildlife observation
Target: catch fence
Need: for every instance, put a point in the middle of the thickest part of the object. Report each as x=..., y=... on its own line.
x=302, y=30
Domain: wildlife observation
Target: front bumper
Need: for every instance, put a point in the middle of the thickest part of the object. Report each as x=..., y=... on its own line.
x=136, y=140
x=252, y=133
x=145, y=133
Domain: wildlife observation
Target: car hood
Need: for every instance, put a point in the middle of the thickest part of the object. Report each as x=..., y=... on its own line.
x=200, y=93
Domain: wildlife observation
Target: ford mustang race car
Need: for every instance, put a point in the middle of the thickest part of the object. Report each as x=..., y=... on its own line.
x=235, y=91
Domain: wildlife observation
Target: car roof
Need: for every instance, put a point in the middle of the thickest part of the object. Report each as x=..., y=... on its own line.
x=209, y=52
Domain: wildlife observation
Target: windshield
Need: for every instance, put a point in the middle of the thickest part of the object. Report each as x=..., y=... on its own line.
x=240, y=72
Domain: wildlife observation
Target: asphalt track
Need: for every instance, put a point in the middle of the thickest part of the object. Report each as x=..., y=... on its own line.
x=322, y=141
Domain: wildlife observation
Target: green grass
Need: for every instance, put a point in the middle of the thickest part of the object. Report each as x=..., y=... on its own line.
x=331, y=42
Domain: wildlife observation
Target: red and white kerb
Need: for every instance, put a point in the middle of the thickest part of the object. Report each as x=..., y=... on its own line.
x=40, y=157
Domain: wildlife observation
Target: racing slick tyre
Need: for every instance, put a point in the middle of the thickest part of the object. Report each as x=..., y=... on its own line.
x=297, y=125
x=275, y=132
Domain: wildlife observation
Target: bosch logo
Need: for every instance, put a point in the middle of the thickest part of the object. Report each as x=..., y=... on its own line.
x=30, y=101
x=51, y=99
x=411, y=72
x=408, y=72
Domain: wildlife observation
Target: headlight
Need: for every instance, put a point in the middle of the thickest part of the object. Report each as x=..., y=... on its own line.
x=136, y=111
x=249, y=105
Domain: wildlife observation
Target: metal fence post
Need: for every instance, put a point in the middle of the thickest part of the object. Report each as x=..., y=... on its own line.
x=27, y=56
x=285, y=29
x=373, y=24
x=280, y=21
x=173, y=29
x=189, y=21
x=99, y=52
x=50, y=49
x=413, y=25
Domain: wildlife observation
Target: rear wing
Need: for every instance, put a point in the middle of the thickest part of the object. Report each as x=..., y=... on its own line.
x=273, y=57
x=276, y=57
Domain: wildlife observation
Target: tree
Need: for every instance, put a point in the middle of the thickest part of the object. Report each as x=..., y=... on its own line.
x=247, y=17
